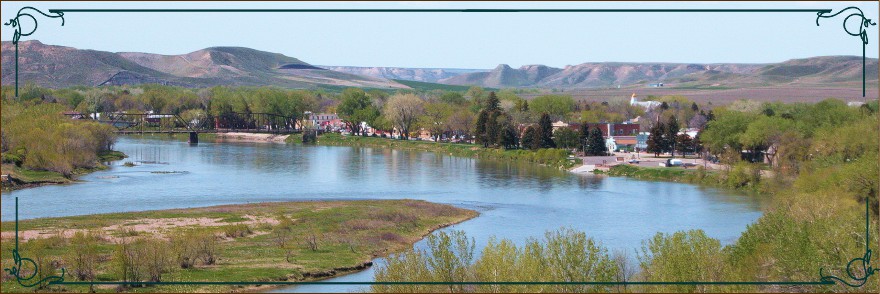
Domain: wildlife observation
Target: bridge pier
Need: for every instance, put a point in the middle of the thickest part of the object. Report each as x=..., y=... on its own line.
x=193, y=138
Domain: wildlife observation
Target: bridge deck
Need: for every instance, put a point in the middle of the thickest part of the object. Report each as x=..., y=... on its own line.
x=204, y=131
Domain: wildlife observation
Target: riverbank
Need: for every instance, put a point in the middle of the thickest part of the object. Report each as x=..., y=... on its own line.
x=16, y=178
x=275, y=241
x=741, y=177
x=251, y=137
x=557, y=158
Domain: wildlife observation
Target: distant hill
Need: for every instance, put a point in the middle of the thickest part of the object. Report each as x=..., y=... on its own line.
x=59, y=66
x=815, y=70
x=430, y=75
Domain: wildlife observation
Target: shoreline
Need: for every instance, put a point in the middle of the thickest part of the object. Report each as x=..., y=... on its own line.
x=13, y=182
x=263, y=288
x=251, y=137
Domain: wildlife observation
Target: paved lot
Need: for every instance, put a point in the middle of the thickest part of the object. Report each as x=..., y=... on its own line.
x=645, y=160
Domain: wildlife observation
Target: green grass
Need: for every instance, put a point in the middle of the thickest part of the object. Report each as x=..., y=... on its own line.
x=349, y=233
x=556, y=158
x=424, y=86
x=699, y=175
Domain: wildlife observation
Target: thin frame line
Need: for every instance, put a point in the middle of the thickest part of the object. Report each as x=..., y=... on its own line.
x=439, y=283
x=444, y=10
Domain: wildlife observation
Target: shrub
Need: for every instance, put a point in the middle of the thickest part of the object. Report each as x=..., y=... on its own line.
x=682, y=256
x=309, y=137
x=743, y=174
x=193, y=245
x=237, y=230
x=83, y=256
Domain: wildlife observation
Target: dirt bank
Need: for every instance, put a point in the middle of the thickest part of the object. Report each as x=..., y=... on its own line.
x=250, y=137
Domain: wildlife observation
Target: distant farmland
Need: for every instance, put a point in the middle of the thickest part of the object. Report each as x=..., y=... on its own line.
x=787, y=94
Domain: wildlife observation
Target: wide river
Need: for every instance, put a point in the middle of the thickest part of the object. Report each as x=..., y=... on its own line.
x=515, y=201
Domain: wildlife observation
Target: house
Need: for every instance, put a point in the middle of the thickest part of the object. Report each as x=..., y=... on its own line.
x=558, y=125
x=692, y=132
x=321, y=119
x=74, y=115
x=642, y=141
x=617, y=135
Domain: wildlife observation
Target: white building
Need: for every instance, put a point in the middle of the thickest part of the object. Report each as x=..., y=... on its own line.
x=646, y=104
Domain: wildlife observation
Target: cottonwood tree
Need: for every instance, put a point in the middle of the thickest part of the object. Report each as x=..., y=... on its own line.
x=435, y=119
x=403, y=111
x=356, y=107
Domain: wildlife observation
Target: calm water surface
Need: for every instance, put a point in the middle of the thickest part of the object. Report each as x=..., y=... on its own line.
x=516, y=201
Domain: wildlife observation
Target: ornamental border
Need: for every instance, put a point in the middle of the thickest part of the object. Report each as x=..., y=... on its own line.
x=854, y=279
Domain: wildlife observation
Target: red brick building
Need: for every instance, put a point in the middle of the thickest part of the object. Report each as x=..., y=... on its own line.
x=612, y=129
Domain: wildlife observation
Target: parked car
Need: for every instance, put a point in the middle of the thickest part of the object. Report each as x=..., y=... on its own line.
x=672, y=162
x=633, y=161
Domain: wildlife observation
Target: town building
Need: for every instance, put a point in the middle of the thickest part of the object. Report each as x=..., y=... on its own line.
x=618, y=136
x=646, y=104
x=320, y=119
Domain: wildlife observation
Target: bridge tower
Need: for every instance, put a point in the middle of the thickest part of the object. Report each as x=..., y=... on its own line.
x=193, y=138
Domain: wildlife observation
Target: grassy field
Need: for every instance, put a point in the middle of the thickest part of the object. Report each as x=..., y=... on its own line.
x=725, y=94
x=277, y=241
x=556, y=158
x=424, y=86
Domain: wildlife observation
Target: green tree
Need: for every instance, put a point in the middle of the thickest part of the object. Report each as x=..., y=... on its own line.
x=435, y=119
x=453, y=98
x=583, y=135
x=492, y=102
x=723, y=132
x=557, y=106
x=566, y=138
x=671, y=134
x=597, y=145
x=480, y=128
x=530, y=139
x=509, y=138
x=656, y=143
x=545, y=130
x=403, y=111
x=684, y=144
x=353, y=107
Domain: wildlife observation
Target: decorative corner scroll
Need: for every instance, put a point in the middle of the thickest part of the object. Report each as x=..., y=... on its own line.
x=19, y=261
x=864, y=23
x=857, y=267
x=15, y=271
x=16, y=22
x=861, y=266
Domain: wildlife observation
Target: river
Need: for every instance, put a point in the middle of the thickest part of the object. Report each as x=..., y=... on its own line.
x=516, y=201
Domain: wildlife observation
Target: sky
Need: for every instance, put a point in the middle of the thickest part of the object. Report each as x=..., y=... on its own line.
x=463, y=40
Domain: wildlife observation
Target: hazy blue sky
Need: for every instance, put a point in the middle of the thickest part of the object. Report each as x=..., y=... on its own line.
x=464, y=40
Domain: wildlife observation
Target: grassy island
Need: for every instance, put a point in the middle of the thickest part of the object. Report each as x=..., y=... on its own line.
x=275, y=241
